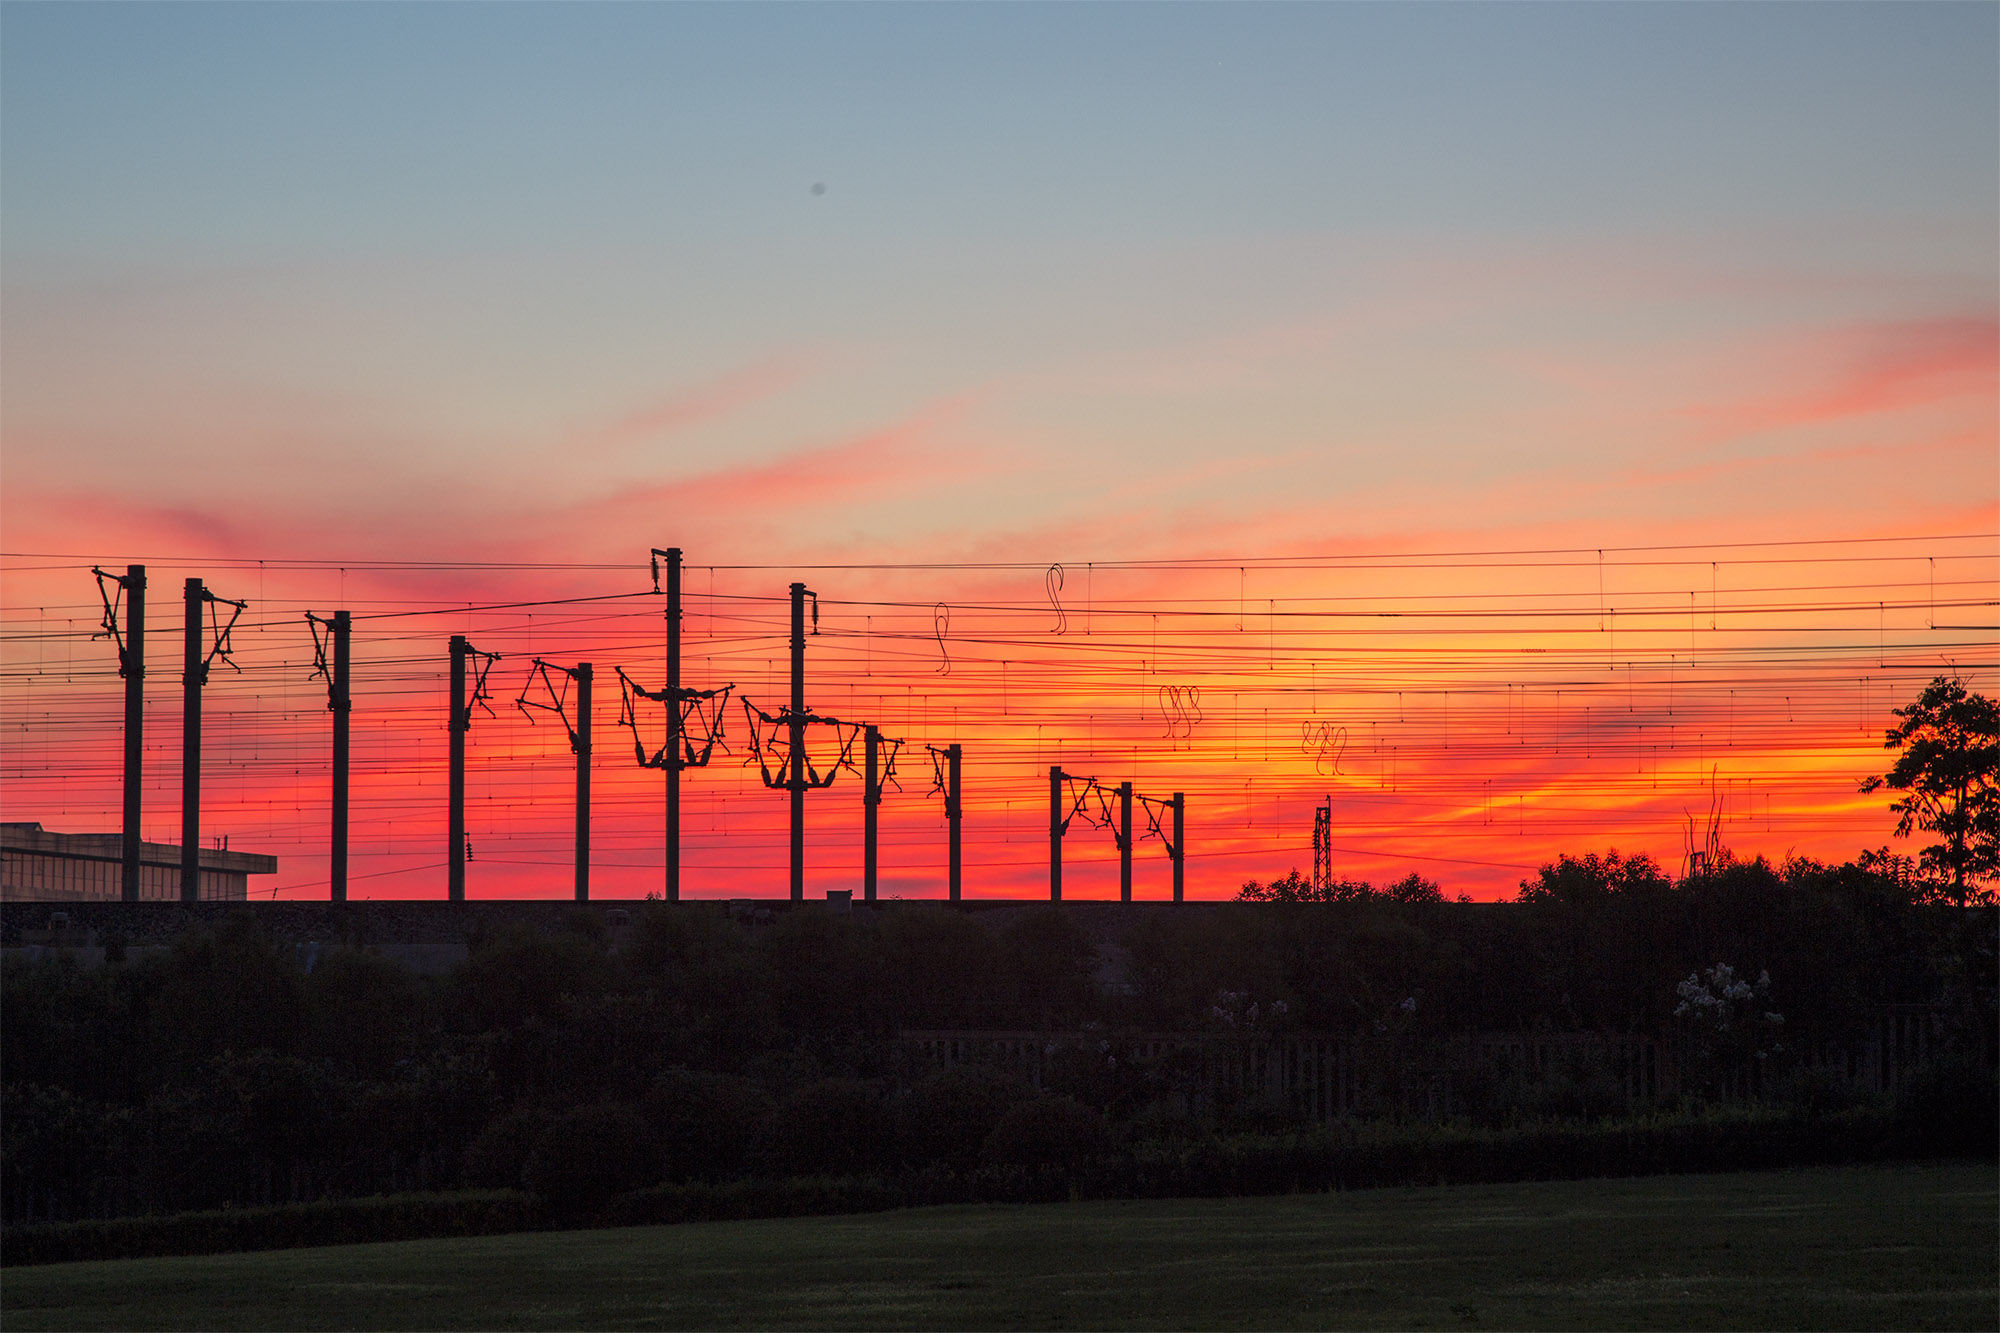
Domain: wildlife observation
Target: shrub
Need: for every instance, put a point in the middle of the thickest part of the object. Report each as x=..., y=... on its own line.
x=707, y=1126
x=498, y=1158
x=1949, y=1106
x=837, y=1125
x=1049, y=1133
x=584, y=1157
x=1163, y=1119
x=948, y=1114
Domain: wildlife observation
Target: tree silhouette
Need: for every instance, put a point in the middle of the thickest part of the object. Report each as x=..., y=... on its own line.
x=1950, y=739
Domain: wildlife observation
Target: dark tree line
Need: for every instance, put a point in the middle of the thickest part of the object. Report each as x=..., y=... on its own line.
x=707, y=1048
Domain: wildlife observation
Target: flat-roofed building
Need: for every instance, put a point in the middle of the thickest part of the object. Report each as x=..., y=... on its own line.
x=37, y=866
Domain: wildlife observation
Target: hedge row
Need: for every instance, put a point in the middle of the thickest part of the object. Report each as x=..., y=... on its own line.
x=737, y=1200
x=325, y=1222
x=1334, y=1157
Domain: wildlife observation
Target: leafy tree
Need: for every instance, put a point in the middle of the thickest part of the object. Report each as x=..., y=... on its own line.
x=1178, y=961
x=1950, y=770
x=1414, y=888
x=1595, y=944
x=1295, y=888
x=937, y=967
x=1046, y=963
x=1592, y=878
x=362, y=1012
x=1290, y=888
x=516, y=974
x=230, y=987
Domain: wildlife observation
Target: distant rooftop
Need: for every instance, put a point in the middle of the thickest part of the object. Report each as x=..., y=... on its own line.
x=39, y=866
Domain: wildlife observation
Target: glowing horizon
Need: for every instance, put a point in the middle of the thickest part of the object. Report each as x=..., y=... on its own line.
x=1468, y=736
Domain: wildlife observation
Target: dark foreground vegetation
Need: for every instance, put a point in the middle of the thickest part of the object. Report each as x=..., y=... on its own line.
x=694, y=1063
x=1906, y=1246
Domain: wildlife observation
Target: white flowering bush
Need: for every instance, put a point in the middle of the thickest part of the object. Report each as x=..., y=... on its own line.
x=1730, y=1029
x=1235, y=1010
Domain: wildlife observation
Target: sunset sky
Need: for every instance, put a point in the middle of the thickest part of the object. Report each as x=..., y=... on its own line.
x=1641, y=359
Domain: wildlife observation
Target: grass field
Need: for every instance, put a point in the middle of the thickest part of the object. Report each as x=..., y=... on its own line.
x=1864, y=1247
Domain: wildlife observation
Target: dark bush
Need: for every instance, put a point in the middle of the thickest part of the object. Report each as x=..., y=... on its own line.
x=1164, y=1119
x=1811, y=1093
x=838, y=1126
x=498, y=1158
x=364, y=1012
x=707, y=1126
x=946, y=1116
x=515, y=974
x=796, y=1196
x=1047, y=962
x=1048, y=1148
x=1257, y=1114
x=228, y=988
x=584, y=1157
x=939, y=966
x=1951, y=1105
x=1049, y=1133
x=220, y=1072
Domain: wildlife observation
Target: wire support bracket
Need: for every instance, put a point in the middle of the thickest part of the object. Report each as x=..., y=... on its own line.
x=770, y=744
x=557, y=701
x=113, y=604
x=219, y=632
x=482, y=663
x=322, y=635
x=1155, y=807
x=701, y=714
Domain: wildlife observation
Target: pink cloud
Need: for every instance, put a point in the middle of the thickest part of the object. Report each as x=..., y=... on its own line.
x=723, y=396
x=93, y=523
x=739, y=508
x=1865, y=371
x=1978, y=443
x=912, y=453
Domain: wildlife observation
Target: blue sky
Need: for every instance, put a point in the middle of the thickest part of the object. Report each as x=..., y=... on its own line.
x=1354, y=244
x=356, y=127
